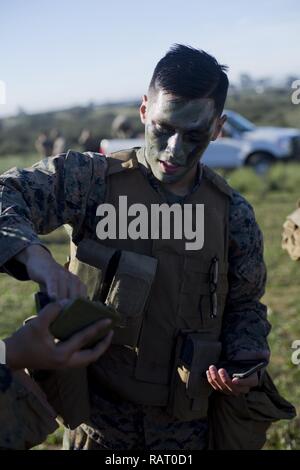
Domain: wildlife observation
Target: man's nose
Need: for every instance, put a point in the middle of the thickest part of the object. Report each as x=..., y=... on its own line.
x=175, y=145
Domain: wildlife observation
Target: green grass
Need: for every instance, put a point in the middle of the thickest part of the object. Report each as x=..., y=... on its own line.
x=273, y=198
x=20, y=161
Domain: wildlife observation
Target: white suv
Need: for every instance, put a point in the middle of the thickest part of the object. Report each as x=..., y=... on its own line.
x=264, y=145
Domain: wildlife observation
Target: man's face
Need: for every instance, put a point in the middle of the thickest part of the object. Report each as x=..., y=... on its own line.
x=177, y=132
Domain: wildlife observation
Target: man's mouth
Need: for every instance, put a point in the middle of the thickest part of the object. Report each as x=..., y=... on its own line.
x=168, y=167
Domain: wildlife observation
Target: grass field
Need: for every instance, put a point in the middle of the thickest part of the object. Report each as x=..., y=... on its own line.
x=273, y=198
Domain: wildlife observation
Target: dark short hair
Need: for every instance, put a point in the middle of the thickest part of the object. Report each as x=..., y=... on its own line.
x=191, y=73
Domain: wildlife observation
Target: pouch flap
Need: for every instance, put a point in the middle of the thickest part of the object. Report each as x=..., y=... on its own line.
x=95, y=254
x=131, y=284
x=203, y=354
x=94, y=264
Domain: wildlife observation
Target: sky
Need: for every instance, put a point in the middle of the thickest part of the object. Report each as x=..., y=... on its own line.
x=60, y=53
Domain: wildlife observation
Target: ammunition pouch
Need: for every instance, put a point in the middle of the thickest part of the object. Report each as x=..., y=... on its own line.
x=94, y=264
x=129, y=293
x=190, y=390
x=120, y=279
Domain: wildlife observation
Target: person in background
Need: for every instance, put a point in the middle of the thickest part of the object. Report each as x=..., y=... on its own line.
x=88, y=142
x=59, y=142
x=44, y=145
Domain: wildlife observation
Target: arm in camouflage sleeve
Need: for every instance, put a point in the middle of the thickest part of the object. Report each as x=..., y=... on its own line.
x=26, y=418
x=245, y=326
x=43, y=197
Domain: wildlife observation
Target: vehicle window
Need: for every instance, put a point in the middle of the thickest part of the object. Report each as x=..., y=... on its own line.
x=240, y=123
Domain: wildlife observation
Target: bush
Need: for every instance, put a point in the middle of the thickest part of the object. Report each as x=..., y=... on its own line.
x=245, y=180
x=284, y=177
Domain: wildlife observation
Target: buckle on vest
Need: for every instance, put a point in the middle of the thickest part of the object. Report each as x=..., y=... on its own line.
x=213, y=285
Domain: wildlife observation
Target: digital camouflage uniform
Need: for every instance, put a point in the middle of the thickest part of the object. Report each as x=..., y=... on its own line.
x=57, y=191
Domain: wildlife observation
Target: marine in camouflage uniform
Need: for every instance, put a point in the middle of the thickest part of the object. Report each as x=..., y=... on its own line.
x=181, y=114
x=67, y=189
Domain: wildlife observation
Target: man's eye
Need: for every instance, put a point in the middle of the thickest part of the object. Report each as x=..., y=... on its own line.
x=196, y=138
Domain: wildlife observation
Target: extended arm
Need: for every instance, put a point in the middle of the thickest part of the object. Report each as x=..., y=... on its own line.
x=36, y=201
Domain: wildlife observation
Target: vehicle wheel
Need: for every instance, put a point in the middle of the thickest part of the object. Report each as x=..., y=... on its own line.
x=260, y=162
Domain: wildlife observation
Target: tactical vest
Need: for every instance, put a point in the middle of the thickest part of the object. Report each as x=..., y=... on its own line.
x=171, y=324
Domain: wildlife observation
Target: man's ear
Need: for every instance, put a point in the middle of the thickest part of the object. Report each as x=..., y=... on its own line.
x=219, y=126
x=143, y=109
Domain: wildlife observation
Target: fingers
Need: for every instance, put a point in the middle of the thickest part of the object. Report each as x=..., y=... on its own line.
x=52, y=287
x=76, y=288
x=79, y=340
x=211, y=382
x=61, y=284
x=48, y=314
x=87, y=356
x=100, y=347
x=221, y=382
x=226, y=380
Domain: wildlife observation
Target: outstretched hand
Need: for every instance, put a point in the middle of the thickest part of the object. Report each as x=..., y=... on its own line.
x=33, y=346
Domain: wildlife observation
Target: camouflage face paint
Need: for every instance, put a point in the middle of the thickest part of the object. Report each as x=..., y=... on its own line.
x=177, y=132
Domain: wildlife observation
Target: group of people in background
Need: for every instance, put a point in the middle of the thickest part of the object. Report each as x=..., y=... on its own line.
x=50, y=143
x=54, y=143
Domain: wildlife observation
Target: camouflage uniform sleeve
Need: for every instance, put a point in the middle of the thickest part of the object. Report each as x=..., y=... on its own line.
x=39, y=199
x=25, y=420
x=245, y=327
